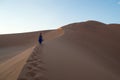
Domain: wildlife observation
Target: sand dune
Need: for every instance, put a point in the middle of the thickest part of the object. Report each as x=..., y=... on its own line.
x=79, y=51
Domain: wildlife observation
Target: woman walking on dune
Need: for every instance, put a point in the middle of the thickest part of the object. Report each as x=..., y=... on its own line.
x=40, y=38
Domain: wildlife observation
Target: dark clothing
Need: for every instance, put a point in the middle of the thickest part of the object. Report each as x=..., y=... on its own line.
x=40, y=39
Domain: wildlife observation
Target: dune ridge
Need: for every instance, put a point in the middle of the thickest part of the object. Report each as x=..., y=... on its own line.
x=34, y=69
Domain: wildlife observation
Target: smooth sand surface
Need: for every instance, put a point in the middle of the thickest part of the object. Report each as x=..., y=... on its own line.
x=86, y=51
x=10, y=69
x=9, y=52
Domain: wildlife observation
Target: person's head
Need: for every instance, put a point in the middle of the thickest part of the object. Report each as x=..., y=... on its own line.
x=41, y=34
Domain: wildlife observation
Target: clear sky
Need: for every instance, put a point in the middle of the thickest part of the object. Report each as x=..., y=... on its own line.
x=33, y=15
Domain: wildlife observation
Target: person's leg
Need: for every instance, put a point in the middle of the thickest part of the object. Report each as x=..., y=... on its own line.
x=40, y=42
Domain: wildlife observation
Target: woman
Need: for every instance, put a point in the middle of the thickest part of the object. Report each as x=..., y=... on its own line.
x=40, y=38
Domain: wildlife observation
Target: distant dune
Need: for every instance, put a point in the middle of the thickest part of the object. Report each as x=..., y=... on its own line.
x=78, y=51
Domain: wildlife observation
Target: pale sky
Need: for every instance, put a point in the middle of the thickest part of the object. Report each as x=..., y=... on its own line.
x=18, y=16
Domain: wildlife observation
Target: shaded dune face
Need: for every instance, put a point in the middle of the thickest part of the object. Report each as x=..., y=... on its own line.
x=100, y=41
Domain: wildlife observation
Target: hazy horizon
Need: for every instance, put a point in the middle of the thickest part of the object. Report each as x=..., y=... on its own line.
x=18, y=16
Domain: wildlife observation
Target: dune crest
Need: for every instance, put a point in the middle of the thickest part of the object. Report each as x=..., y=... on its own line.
x=34, y=69
x=53, y=34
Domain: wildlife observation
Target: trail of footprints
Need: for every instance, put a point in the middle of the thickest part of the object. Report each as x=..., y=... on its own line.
x=34, y=68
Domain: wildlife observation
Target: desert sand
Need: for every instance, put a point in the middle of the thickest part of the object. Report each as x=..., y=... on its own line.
x=79, y=51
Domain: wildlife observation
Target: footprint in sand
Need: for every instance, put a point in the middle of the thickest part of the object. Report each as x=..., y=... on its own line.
x=29, y=67
x=23, y=79
x=40, y=77
x=41, y=68
x=31, y=73
x=34, y=64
